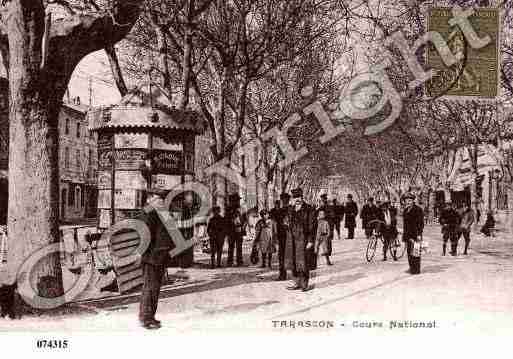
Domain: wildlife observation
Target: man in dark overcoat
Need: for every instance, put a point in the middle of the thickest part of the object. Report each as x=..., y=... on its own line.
x=280, y=215
x=216, y=230
x=413, y=226
x=350, y=211
x=236, y=223
x=299, y=248
x=153, y=260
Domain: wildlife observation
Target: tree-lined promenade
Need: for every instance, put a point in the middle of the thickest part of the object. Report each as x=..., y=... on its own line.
x=249, y=67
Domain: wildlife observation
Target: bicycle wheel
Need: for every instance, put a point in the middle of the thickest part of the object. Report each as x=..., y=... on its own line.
x=371, y=247
x=397, y=248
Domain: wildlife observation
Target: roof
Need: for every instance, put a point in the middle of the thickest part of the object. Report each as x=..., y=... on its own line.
x=148, y=106
x=79, y=108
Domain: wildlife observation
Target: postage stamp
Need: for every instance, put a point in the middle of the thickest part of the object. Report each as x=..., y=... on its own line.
x=476, y=74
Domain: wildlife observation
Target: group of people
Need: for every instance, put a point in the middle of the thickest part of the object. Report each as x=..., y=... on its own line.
x=300, y=232
x=456, y=222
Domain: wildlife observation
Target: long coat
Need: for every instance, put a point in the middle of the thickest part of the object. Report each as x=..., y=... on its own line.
x=413, y=222
x=266, y=236
x=351, y=211
x=323, y=238
x=161, y=243
x=300, y=231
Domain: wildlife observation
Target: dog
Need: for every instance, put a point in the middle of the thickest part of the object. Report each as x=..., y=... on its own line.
x=10, y=301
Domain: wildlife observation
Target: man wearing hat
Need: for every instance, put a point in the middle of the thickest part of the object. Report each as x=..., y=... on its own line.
x=299, y=247
x=279, y=217
x=450, y=221
x=413, y=225
x=370, y=212
x=153, y=260
x=389, y=229
x=236, y=223
x=350, y=211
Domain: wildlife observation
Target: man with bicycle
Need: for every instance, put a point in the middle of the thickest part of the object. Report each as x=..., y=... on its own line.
x=388, y=215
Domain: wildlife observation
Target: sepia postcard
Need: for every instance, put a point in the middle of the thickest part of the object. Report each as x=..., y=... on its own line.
x=187, y=172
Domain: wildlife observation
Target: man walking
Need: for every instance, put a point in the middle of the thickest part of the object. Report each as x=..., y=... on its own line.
x=413, y=225
x=280, y=215
x=467, y=220
x=350, y=211
x=299, y=248
x=389, y=229
x=153, y=260
x=449, y=220
x=235, y=227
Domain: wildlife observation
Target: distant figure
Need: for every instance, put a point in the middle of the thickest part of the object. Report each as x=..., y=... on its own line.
x=274, y=212
x=236, y=223
x=338, y=215
x=369, y=213
x=282, y=233
x=450, y=221
x=266, y=237
x=216, y=230
x=389, y=229
x=489, y=225
x=323, y=238
x=467, y=220
x=350, y=211
x=329, y=213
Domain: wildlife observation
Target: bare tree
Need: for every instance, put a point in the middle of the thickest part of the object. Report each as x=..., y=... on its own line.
x=40, y=53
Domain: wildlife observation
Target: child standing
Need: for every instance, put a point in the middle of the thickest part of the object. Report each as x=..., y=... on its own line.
x=323, y=239
x=265, y=236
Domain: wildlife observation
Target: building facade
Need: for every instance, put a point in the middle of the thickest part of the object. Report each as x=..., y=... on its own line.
x=77, y=161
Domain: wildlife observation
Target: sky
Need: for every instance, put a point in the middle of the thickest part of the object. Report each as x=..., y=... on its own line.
x=94, y=72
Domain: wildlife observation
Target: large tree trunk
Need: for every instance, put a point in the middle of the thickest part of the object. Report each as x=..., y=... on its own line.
x=33, y=210
x=37, y=84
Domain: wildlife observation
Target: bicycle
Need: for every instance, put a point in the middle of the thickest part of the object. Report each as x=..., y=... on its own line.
x=396, y=247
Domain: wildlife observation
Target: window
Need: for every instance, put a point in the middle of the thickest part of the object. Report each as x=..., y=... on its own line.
x=78, y=196
x=66, y=157
x=78, y=129
x=82, y=199
x=78, y=160
x=66, y=128
x=71, y=197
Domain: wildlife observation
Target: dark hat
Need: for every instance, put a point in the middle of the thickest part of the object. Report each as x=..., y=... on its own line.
x=297, y=193
x=284, y=196
x=216, y=209
x=324, y=196
x=158, y=191
x=409, y=195
x=349, y=195
x=370, y=199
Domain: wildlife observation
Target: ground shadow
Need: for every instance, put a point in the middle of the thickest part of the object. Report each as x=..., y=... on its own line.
x=340, y=280
x=439, y=268
x=239, y=308
x=217, y=281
